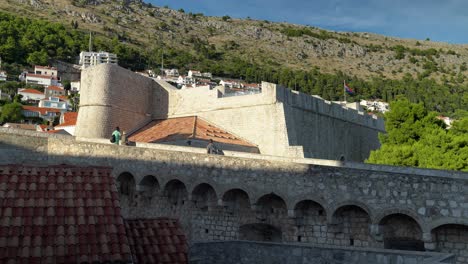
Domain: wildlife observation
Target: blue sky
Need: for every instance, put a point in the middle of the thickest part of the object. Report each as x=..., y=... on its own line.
x=439, y=20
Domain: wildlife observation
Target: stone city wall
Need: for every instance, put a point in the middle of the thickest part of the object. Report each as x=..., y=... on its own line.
x=270, y=199
x=280, y=121
x=257, y=252
x=111, y=96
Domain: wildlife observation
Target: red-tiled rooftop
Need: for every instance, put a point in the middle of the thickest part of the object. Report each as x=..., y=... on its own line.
x=60, y=214
x=42, y=110
x=182, y=128
x=55, y=88
x=157, y=241
x=69, y=119
x=33, y=91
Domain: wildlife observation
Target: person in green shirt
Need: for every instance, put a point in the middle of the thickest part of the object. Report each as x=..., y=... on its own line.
x=117, y=135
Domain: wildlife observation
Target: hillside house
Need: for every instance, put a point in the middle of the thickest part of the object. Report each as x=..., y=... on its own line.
x=185, y=80
x=54, y=90
x=68, y=122
x=45, y=70
x=3, y=76
x=231, y=84
x=171, y=72
x=31, y=94
x=54, y=102
x=88, y=59
x=42, y=112
x=39, y=79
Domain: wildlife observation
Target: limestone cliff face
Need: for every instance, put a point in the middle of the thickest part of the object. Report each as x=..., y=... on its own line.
x=262, y=42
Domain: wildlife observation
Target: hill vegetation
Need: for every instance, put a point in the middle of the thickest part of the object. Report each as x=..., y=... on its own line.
x=416, y=138
x=304, y=58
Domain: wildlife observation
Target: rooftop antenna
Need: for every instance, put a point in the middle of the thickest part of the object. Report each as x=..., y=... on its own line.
x=90, y=42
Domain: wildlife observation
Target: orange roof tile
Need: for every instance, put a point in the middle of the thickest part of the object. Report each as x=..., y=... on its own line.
x=42, y=110
x=45, y=220
x=155, y=240
x=33, y=91
x=55, y=88
x=181, y=128
x=69, y=119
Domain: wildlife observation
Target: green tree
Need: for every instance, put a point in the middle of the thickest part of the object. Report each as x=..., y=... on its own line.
x=415, y=137
x=11, y=112
x=38, y=58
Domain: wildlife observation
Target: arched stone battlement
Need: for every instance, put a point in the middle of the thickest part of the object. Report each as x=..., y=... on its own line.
x=258, y=195
x=192, y=186
x=403, y=211
x=149, y=182
x=292, y=203
x=336, y=206
x=237, y=198
x=303, y=205
x=446, y=221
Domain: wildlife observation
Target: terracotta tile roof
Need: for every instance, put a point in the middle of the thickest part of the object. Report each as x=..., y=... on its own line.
x=43, y=127
x=69, y=119
x=55, y=88
x=60, y=214
x=42, y=110
x=32, y=91
x=157, y=241
x=181, y=128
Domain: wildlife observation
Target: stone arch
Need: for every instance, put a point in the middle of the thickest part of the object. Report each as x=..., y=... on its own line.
x=447, y=238
x=310, y=219
x=235, y=200
x=176, y=192
x=335, y=207
x=350, y=224
x=271, y=204
x=401, y=231
x=389, y=211
x=126, y=183
x=148, y=188
x=126, y=187
x=260, y=232
x=204, y=196
x=309, y=207
x=446, y=221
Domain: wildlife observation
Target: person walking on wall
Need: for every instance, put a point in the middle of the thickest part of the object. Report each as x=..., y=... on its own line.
x=116, y=136
x=211, y=148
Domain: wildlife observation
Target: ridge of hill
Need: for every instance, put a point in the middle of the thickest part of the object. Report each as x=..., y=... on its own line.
x=265, y=43
x=306, y=58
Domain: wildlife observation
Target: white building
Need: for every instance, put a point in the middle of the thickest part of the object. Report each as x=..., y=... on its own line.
x=40, y=79
x=45, y=70
x=75, y=86
x=54, y=102
x=94, y=58
x=3, y=76
x=31, y=94
x=68, y=122
x=171, y=72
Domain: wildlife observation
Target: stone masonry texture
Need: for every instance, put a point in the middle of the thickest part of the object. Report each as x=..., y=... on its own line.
x=279, y=121
x=222, y=198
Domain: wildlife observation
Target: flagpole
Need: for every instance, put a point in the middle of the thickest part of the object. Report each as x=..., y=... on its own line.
x=344, y=91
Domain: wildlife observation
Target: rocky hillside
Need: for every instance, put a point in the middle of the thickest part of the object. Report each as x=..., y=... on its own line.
x=260, y=42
